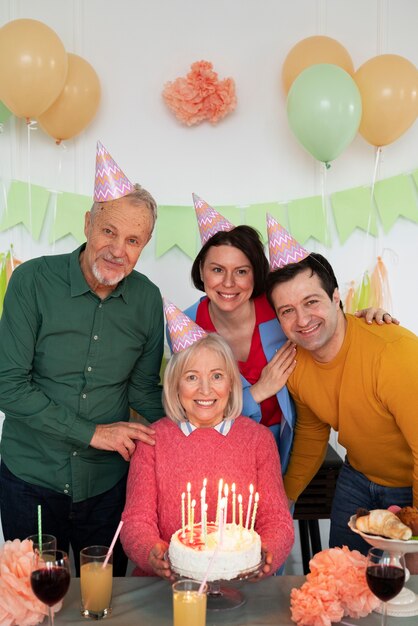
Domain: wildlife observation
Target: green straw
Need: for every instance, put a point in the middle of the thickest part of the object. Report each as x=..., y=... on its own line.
x=40, y=528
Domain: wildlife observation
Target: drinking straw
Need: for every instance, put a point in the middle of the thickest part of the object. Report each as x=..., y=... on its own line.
x=40, y=528
x=112, y=545
x=205, y=578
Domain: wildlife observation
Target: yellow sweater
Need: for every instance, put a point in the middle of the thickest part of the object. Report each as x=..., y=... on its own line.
x=369, y=394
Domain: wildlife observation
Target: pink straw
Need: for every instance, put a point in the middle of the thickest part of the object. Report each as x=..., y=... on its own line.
x=205, y=578
x=112, y=545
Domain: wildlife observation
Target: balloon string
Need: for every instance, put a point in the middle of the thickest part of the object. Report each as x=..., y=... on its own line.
x=324, y=199
x=31, y=125
x=369, y=221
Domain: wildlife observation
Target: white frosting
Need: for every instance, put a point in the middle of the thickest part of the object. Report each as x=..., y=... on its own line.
x=240, y=551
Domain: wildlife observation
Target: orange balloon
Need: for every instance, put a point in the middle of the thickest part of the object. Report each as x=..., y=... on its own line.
x=77, y=104
x=33, y=67
x=388, y=85
x=312, y=51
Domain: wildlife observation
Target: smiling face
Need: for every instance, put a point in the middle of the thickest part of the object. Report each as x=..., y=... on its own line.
x=204, y=388
x=227, y=277
x=116, y=233
x=308, y=316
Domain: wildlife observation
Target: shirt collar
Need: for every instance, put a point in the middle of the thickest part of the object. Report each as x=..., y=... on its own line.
x=223, y=427
x=78, y=283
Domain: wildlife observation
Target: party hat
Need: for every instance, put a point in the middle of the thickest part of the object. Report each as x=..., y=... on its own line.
x=209, y=221
x=183, y=331
x=283, y=248
x=110, y=182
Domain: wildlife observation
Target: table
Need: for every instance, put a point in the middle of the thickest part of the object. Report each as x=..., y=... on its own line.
x=147, y=602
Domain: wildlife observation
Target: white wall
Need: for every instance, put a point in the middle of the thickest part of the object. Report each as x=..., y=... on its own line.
x=252, y=156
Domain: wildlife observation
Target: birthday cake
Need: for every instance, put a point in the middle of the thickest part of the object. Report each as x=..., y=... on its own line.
x=190, y=553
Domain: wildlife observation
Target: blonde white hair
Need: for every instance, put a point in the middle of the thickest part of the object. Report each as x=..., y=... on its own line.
x=178, y=364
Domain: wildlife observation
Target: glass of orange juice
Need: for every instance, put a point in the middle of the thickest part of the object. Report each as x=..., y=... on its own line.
x=95, y=582
x=189, y=606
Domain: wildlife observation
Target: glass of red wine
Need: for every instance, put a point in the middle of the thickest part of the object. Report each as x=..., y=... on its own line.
x=50, y=578
x=385, y=575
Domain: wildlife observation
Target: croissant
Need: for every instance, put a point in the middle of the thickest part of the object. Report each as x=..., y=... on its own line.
x=383, y=522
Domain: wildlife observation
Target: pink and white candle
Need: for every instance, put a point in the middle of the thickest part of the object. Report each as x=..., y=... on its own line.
x=250, y=501
x=193, y=505
x=226, y=493
x=240, y=511
x=183, y=514
x=256, y=498
x=218, y=505
x=234, y=503
x=189, y=499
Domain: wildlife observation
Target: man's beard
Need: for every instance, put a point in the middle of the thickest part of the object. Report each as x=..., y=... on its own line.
x=108, y=282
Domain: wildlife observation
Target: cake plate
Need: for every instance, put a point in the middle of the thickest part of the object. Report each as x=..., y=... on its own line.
x=405, y=604
x=220, y=596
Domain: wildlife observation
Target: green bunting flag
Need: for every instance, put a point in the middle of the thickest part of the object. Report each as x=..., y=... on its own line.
x=255, y=216
x=353, y=209
x=307, y=218
x=395, y=197
x=27, y=204
x=69, y=217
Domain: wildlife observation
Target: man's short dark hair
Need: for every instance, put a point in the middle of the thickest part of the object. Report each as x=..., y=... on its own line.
x=246, y=239
x=318, y=265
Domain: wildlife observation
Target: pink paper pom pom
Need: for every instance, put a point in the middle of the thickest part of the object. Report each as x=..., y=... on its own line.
x=200, y=96
x=336, y=585
x=18, y=604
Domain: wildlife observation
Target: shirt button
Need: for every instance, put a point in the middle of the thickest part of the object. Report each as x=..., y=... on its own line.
x=74, y=453
x=95, y=337
x=89, y=369
x=100, y=305
x=84, y=396
x=65, y=490
x=67, y=485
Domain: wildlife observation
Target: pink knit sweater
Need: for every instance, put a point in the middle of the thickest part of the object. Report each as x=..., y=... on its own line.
x=159, y=474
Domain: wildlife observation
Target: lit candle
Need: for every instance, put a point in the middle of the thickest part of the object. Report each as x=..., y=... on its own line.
x=256, y=497
x=240, y=512
x=189, y=512
x=204, y=524
x=192, y=521
x=218, y=504
x=221, y=521
x=183, y=514
x=234, y=503
x=202, y=505
x=250, y=501
x=226, y=492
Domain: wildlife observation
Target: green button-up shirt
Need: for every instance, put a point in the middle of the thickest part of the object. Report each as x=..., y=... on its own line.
x=69, y=361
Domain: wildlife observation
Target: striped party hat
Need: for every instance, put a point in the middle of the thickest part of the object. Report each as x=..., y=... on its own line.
x=183, y=331
x=283, y=248
x=209, y=221
x=110, y=182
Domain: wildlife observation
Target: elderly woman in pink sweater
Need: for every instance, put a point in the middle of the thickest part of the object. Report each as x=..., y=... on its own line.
x=203, y=436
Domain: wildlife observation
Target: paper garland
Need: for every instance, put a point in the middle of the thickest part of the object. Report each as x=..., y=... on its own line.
x=304, y=218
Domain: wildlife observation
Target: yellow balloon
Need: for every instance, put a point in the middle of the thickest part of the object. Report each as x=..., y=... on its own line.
x=312, y=51
x=77, y=104
x=388, y=85
x=33, y=67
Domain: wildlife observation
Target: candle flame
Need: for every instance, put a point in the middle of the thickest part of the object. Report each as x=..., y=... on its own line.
x=233, y=487
x=226, y=490
x=240, y=498
x=251, y=489
x=189, y=486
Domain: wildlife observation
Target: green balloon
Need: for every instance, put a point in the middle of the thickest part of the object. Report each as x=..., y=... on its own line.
x=324, y=110
x=4, y=113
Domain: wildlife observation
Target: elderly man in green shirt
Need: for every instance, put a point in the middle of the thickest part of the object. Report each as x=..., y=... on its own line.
x=81, y=341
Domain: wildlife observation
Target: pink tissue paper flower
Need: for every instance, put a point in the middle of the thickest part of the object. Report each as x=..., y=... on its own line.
x=200, y=95
x=336, y=585
x=18, y=604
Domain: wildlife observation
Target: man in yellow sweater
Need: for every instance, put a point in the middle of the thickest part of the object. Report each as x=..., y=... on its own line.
x=356, y=378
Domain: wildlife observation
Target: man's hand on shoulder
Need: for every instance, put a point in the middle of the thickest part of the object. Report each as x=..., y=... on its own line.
x=120, y=437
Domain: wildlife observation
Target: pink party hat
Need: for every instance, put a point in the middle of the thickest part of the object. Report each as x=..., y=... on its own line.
x=209, y=221
x=110, y=182
x=283, y=248
x=183, y=331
